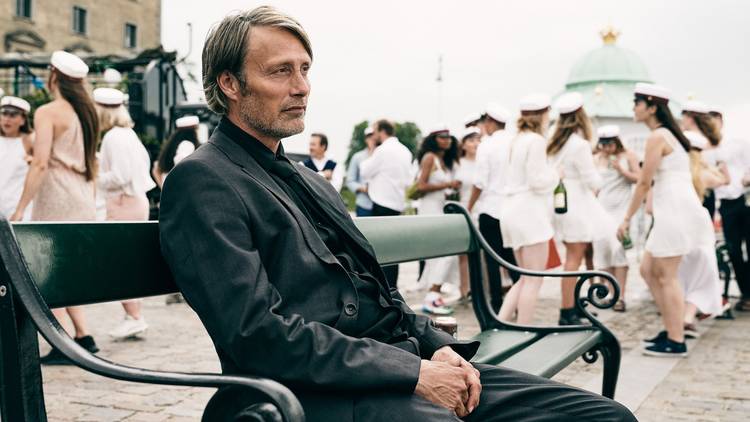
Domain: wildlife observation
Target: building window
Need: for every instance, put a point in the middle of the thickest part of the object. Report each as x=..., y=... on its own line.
x=79, y=20
x=23, y=8
x=131, y=35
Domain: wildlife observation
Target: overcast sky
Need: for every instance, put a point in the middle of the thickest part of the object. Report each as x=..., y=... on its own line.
x=380, y=58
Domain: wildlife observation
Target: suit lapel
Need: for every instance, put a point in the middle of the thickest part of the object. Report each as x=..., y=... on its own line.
x=251, y=167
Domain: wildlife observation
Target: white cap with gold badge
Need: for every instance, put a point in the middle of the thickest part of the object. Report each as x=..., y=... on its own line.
x=652, y=92
x=69, y=64
x=109, y=97
x=19, y=103
x=534, y=102
x=187, y=121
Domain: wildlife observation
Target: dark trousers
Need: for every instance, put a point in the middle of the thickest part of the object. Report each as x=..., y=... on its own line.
x=363, y=212
x=709, y=203
x=735, y=219
x=506, y=395
x=490, y=229
x=390, y=271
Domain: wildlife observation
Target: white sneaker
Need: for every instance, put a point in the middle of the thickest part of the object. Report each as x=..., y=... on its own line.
x=434, y=304
x=129, y=328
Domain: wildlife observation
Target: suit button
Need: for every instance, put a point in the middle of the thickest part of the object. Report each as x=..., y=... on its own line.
x=350, y=309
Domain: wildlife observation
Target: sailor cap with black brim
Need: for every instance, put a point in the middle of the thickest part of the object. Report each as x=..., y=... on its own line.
x=187, y=121
x=109, y=97
x=15, y=102
x=497, y=112
x=570, y=102
x=472, y=119
x=608, y=132
x=440, y=129
x=651, y=93
x=69, y=64
x=694, y=106
x=534, y=103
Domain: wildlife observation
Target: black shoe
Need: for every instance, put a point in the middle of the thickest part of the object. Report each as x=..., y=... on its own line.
x=666, y=348
x=54, y=357
x=569, y=317
x=657, y=338
x=87, y=342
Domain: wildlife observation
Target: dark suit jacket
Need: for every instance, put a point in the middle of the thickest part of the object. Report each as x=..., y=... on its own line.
x=273, y=298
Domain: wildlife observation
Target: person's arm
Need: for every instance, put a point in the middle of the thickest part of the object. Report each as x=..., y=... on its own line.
x=39, y=162
x=119, y=172
x=540, y=176
x=207, y=241
x=655, y=145
x=156, y=173
x=371, y=166
x=352, y=175
x=633, y=172
x=28, y=143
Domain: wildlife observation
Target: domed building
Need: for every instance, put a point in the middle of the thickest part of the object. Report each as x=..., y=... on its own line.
x=606, y=77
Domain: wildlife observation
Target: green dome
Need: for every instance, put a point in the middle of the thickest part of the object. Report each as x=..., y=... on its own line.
x=608, y=63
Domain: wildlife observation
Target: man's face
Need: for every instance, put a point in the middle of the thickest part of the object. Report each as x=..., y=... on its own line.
x=274, y=99
x=316, y=150
x=370, y=141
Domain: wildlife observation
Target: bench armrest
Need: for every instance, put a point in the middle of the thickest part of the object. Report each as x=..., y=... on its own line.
x=597, y=295
x=24, y=289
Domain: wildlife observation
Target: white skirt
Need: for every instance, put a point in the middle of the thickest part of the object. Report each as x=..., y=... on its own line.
x=526, y=219
x=439, y=271
x=586, y=219
x=699, y=276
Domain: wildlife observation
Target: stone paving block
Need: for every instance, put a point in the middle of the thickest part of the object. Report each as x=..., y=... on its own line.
x=148, y=417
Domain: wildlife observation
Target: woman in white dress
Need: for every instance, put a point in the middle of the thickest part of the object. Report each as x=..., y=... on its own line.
x=437, y=156
x=124, y=179
x=182, y=143
x=526, y=220
x=585, y=220
x=466, y=174
x=15, y=147
x=681, y=224
x=618, y=168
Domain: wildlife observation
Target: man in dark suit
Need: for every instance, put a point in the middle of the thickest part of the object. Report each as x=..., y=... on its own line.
x=288, y=288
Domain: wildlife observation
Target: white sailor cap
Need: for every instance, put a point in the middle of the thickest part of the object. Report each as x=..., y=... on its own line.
x=440, y=129
x=608, y=131
x=19, y=103
x=109, y=97
x=187, y=121
x=112, y=76
x=69, y=64
x=369, y=131
x=714, y=109
x=697, y=140
x=534, y=102
x=497, y=112
x=470, y=131
x=569, y=102
x=695, y=106
x=472, y=118
x=652, y=92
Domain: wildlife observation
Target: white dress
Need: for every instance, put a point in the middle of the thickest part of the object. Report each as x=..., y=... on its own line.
x=614, y=196
x=445, y=269
x=466, y=174
x=13, y=169
x=526, y=214
x=682, y=227
x=586, y=220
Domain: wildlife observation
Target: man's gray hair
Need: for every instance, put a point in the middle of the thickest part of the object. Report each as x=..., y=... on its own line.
x=226, y=47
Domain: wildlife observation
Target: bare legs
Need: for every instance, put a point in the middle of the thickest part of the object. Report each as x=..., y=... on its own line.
x=77, y=317
x=463, y=267
x=660, y=275
x=574, y=254
x=132, y=308
x=523, y=295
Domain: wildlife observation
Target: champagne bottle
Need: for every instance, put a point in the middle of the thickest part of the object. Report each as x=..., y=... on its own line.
x=627, y=242
x=561, y=198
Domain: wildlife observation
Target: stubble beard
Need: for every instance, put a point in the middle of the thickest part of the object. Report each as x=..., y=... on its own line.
x=268, y=123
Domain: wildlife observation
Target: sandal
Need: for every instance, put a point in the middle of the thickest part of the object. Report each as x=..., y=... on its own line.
x=619, y=306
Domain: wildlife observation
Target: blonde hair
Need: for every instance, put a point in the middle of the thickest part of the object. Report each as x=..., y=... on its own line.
x=707, y=126
x=110, y=117
x=531, y=122
x=225, y=49
x=567, y=125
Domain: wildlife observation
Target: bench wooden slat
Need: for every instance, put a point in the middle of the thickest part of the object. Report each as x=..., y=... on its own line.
x=498, y=345
x=553, y=352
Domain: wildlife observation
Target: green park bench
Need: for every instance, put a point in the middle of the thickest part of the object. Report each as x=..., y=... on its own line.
x=50, y=265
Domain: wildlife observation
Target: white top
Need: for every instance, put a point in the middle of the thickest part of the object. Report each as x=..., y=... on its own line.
x=492, y=159
x=465, y=172
x=733, y=152
x=527, y=169
x=578, y=162
x=124, y=164
x=387, y=173
x=337, y=176
x=13, y=169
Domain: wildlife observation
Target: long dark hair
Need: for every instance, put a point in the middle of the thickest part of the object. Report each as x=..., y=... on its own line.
x=664, y=117
x=169, y=147
x=429, y=144
x=73, y=91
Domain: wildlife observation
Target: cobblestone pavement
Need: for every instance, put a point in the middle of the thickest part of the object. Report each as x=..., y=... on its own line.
x=710, y=385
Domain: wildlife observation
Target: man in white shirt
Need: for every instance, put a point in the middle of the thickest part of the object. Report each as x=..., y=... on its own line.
x=486, y=195
x=319, y=163
x=735, y=213
x=387, y=173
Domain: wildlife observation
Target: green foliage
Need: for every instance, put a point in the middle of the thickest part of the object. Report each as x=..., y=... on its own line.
x=36, y=99
x=349, y=198
x=407, y=132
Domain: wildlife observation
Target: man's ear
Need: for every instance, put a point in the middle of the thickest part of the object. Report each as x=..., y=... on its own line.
x=229, y=85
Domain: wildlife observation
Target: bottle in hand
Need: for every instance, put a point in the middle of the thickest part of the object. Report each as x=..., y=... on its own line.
x=561, y=198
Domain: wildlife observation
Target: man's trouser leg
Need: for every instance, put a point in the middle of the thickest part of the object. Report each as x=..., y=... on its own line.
x=735, y=218
x=490, y=229
x=390, y=271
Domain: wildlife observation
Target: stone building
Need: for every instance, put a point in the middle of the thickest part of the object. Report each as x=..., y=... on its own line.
x=119, y=27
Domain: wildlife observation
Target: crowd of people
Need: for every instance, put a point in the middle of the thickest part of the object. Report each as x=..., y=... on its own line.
x=82, y=161
x=542, y=185
x=528, y=189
